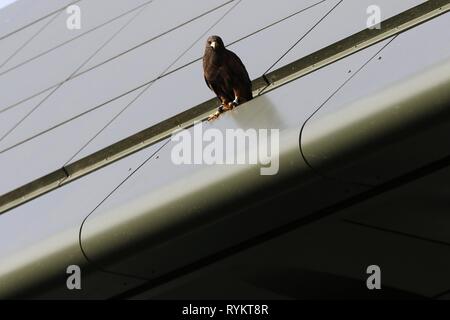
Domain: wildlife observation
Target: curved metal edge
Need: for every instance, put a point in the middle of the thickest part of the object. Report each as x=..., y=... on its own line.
x=384, y=135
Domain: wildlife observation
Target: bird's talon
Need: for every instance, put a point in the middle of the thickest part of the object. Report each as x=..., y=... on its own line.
x=214, y=116
x=228, y=107
x=224, y=107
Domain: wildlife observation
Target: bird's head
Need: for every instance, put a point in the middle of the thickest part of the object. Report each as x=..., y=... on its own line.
x=215, y=43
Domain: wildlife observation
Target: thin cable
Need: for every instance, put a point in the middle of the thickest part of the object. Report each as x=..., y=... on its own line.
x=81, y=66
x=150, y=84
x=15, y=104
x=304, y=36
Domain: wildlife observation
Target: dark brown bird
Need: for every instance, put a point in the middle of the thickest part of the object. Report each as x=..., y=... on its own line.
x=225, y=74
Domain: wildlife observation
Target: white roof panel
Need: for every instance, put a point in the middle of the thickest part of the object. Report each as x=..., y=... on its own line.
x=112, y=80
x=13, y=44
x=263, y=14
x=54, y=67
x=155, y=21
x=93, y=15
x=157, y=105
x=23, y=13
x=348, y=18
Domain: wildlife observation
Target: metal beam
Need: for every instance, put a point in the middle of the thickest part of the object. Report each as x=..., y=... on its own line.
x=326, y=56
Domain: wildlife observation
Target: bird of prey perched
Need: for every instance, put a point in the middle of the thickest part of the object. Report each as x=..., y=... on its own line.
x=225, y=74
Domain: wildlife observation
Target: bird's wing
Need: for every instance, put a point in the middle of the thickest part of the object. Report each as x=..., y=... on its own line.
x=237, y=67
x=241, y=80
x=207, y=83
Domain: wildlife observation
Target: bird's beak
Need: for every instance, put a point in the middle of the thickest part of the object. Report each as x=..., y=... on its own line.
x=213, y=45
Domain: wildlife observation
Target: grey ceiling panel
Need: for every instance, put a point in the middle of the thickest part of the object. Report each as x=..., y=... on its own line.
x=93, y=15
x=328, y=247
x=402, y=59
x=419, y=209
x=263, y=14
x=284, y=109
x=155, y=21
x=112, y=80
x=26, y=12
x=337, y=247
x=348, y=18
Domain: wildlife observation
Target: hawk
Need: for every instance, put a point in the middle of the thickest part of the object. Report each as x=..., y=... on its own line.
x=225, y=74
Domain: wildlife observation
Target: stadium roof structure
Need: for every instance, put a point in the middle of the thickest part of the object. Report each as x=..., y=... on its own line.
x=85, y=149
